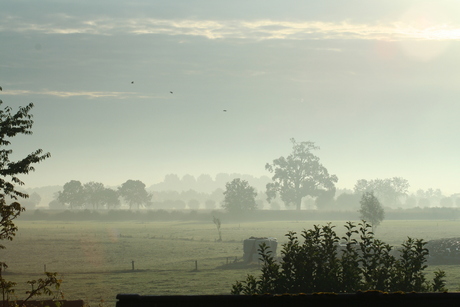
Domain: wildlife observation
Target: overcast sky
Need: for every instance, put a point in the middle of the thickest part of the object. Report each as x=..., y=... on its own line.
x=373, y=83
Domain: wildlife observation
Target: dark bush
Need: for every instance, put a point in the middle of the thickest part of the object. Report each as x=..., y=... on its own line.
x=321, y=264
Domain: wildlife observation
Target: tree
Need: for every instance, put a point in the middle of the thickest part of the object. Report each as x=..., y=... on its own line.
x=411, y=202
x=55, y=205
x=205, y=183
x=217, y=195
x=73, y=194
x=210, y=204
x=110, y=198
x=32, y=201
x=134, y=193
x=188, y=182
x=218, y=224
x=325, y=199
x=389, y=190
x=299, y=175
x=320, y=264
x=239, y=197
x=178, y=204
x=274, y=205
x=348, y=200
x=371, y=209
x=94, y=194
x=446, y=202
x=193, y=204
x=428, y=197
x=11, y=125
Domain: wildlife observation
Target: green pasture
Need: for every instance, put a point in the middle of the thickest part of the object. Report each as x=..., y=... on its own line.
x=95, y=259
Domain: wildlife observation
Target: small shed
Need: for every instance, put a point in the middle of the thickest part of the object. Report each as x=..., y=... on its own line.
x=251, y=247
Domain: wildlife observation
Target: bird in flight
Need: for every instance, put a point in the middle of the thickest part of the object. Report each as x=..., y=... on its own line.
x=171, y=92
x=225, y=110
x=132, y=82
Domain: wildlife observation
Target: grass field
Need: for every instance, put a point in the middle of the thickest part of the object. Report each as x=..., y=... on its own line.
x=94, y=259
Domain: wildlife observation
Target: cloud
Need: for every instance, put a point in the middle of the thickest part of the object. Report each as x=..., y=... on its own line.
x=232, y=29
x=88, y=94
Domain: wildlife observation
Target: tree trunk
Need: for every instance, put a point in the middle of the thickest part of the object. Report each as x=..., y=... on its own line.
x=298, y=204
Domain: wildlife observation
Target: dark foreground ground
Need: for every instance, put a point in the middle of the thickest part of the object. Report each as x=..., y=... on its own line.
x=368, y=298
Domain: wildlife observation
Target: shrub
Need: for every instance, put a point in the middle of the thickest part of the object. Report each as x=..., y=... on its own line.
x=321, y=264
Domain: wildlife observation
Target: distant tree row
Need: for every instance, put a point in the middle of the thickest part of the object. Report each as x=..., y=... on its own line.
x=76, y=195
x=299, y=180
x=174, y=200
x=190, y=198
x=430, y=198
x=94, y=195
x=107, y=198
x=204, y=183
x=132, y=193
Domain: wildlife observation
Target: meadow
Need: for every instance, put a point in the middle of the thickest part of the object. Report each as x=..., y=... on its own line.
x=95, y=259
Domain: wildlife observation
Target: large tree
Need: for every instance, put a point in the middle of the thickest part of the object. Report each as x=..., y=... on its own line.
x=94, y=194
x=299, y=175
x=239, y=197
x=11, y=125
x=348, y=201
x=134, y=193
x=389, y=190
x=73, y=194
x=110, y=198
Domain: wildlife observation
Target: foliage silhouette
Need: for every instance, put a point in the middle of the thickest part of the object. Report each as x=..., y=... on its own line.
x=239, y=197
x=10, y=126
x=299, y=175
x=371, y=210
x=389, y=191
x=321, y=264
x=73, y=194
x=134, y=193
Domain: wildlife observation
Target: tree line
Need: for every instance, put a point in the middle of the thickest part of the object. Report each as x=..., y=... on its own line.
x=176, y=200
x=76, y=195
x=299, y=180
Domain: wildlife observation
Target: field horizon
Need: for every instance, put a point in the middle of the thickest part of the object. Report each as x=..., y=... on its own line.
x=95, y=259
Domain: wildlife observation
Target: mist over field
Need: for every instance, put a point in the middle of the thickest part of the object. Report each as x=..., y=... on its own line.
x=176, y=130
x=204, y=188
x=95, y=258
x=142, y=90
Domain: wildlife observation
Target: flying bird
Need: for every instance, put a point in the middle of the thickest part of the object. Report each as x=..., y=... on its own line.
x=225, y=110
x=170, y=92
x=132, y=82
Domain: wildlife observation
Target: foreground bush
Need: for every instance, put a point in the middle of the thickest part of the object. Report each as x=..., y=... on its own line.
x=321, y=264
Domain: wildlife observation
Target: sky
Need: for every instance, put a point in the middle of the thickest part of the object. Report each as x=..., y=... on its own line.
x=374, y=84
